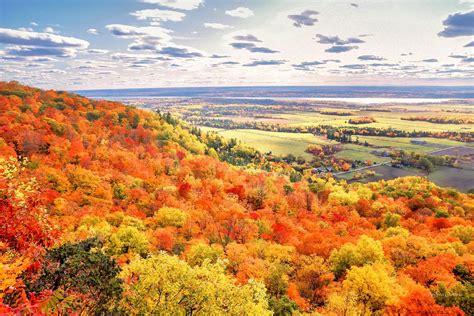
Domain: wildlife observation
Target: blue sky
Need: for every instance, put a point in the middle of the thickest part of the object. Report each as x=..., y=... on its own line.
x=86, y=44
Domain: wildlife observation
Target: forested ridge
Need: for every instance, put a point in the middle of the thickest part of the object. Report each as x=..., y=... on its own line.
x=106, y=208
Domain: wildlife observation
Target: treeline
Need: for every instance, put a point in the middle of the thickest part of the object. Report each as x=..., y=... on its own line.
x=336, y=112
x=424, y=162
x=337, y=133
x=362, y=120
x=440, y=120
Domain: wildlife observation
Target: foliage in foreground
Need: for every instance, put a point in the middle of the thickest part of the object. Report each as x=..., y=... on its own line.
x=106, y=208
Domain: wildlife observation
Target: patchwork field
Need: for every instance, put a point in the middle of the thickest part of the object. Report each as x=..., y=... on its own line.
x=277, y=142
x=461, y=179
x=358, y=152
x=383, y=120
x=238, y=120
x=432, y=144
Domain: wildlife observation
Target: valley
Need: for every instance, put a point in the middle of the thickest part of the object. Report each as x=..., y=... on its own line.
x=278, y=128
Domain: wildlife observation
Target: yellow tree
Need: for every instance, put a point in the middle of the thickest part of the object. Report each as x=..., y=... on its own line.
x=365, y=291
x=166, y=285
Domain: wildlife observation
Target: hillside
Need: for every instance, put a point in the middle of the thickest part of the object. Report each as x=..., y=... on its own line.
x=107, y=208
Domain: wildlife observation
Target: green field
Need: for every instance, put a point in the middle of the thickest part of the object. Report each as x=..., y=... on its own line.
x=357, y=152
x=277, y=142
x=405, y=144
x=384, y=120
x=280, y=143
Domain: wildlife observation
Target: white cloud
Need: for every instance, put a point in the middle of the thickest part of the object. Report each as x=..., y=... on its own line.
x=177, y=4
x=97, y=51
x=159, y=15
x=27, y=38
x=33, y=24
x=240, y=12
x=217, y=26
x=49, y=29
x=149, y=33
x=32, y=51
x=92, y=31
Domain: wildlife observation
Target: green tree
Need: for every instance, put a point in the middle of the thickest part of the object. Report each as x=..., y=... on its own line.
x=426, y=164
x=84, y=269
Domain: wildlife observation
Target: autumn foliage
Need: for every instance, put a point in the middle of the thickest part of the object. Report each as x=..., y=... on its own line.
x=104, y=207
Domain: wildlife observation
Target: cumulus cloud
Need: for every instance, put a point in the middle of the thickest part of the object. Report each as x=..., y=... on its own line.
x=265, y=63
x=92, y=31
x=217, y=26
x=178, y=52
x=33, y=24
x=370, y=57
x=251, y=47
x=230, y=63
x=97, y=51
x=354, y=66
x=246, y=38
x=15, y=37
x=336, y=40
x=240, y=12
x=25, y=51
x=158, y=15
x=304, y=18
x=458, y=24
x=177, y=4
x=308, y=65
x=128, y=31
x=457, y=56
x=152, y=38
x=382, y=65
x=145, y=38
x=226, y=63
x=340, y=49
x=216, y=56
x=49, y=29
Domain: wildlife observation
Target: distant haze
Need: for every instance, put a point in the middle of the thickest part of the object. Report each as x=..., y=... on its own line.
x=336, y=93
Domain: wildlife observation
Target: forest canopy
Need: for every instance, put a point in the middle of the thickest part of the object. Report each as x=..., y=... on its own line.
x=106, y=208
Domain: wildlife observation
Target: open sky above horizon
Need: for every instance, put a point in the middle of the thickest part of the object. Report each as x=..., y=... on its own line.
x=176, y=43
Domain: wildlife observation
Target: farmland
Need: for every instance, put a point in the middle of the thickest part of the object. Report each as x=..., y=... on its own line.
x=276, y=142
x=378, y=136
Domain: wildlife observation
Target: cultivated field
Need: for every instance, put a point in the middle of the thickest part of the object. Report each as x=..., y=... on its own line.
x=276, y=142
x=384, y=120
x=245, y=121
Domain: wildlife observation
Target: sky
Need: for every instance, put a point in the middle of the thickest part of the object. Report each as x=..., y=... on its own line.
x=99, y=44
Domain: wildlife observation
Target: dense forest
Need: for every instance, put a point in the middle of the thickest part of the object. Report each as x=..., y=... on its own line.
x=105, y=208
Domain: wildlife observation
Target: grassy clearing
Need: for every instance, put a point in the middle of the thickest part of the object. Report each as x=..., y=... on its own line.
x=405, y=144
x=357, y=152
x=278, y=143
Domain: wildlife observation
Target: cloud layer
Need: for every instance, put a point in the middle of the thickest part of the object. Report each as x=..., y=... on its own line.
x=304, y=18
x=459, y=24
